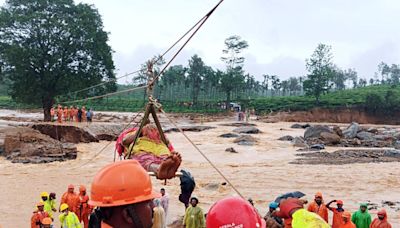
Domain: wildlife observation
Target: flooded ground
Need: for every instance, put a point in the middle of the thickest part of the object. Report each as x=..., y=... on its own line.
x=262, y=172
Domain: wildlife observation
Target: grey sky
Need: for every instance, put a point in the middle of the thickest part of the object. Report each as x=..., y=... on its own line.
x=281, y=33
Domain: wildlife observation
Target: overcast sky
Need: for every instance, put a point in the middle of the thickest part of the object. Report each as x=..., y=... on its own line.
x=281, y=33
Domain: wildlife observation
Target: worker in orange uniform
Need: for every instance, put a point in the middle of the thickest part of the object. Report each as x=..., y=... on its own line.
x=46, y=223
x=65, y=114
x=38, y=216
x=337, y=213
x=71, y=113
x=71, y=199
x=59, y=113
x=125, y=201
x=318, y=206
x=347, y=223
x=381, y=220
x=76, y=114
x=83, y=114
x=84, y=209
x=235, y=211
x=52, y=113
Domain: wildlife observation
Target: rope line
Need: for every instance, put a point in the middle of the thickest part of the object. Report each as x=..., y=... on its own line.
x=199, y=24
x=204, y=156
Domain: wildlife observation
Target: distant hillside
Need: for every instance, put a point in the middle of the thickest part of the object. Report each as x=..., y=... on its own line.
x=376, y=98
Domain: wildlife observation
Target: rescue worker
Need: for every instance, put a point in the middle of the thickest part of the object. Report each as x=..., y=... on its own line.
x=68, y=219
x=47, y=204
x=83, y=114
x=76, y=114
x=84, y=209
x=71, y=113
x=234, y=212
x=361, y=218
x=71, y=199
x=271, y=220
x=337, y=213
x=318, y=206
x=159, y=218
x=301, y=218
x=59, y=113
x=65, y=114
x=381, y=220
x=38, y=216
x=52, y=113
x=347, y=223
x=122, y=201
x=46, y=223
x=52, y=199
x=194, y=216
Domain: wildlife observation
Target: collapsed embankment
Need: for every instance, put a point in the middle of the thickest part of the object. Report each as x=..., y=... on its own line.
x=336, y=115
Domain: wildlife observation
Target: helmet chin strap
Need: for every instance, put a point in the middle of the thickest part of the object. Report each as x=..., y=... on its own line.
x=136, y=220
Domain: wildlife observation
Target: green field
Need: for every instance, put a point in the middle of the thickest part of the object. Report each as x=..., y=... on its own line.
x=373, y=97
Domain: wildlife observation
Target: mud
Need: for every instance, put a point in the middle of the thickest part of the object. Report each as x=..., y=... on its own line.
x=337, y=115
x=342, y=157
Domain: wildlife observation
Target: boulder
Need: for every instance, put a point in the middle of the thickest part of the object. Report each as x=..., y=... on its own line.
x=338, y=131
x=317, y=146
x=372, y=130
x=108, y=132
x=315, y=131
x=299, y=142
x=392, y=153
x=365, y=135
x=229, y=135
x=300, y=126
x=66, y=133
x=351, y=131
x=26, y=145
x=246, y=140
x=247, y=130
x=383, y=137
x=330, y=138
x=286, y=138
x=195, y=128
x=237, y=124
x=231, y=150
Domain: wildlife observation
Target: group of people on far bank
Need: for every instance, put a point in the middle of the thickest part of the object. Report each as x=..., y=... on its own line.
x=71, y=114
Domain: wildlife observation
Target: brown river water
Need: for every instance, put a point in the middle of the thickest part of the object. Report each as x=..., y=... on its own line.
x=261, y=172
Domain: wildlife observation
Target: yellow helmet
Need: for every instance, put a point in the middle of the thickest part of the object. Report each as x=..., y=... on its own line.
x=44, y=194
x=63, y=207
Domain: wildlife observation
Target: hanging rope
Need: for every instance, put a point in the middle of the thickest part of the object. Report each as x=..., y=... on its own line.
x=204, y=156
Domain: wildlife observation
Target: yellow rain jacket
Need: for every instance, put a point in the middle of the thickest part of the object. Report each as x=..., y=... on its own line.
x=48, y=207
x=305, y=219
x=69, y=221
x=144, y=144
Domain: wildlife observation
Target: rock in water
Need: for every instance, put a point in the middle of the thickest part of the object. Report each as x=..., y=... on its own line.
x=338, y=131
x=392, y=153
x=315, y=131
x=246, y=140
x=189, y=128
x=66, y=133
x=26, y=145
x=318, y=146
x=351, y=131
x=300, y=126
x=330, y=138
x=364, y=135
x=229, y=135
x=286, y=138
x=231, y=149
x=247, y=130
x=299, y=142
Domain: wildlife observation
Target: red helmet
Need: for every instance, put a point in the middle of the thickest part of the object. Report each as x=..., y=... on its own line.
x=234, y=212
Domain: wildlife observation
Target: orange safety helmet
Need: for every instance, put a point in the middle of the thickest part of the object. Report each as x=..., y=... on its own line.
x=47, y=221
x=82, y=188
x=121, y=183
x=234, y=212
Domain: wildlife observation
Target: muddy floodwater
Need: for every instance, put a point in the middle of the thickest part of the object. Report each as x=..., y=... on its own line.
x=261, y=172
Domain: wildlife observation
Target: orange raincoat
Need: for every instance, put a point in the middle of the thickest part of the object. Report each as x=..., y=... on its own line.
x=84, y=209
x=320, y=210
x=377, y=223
x=72, y=199
x=37, y=218
x=59, y=114
x=349, y=223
